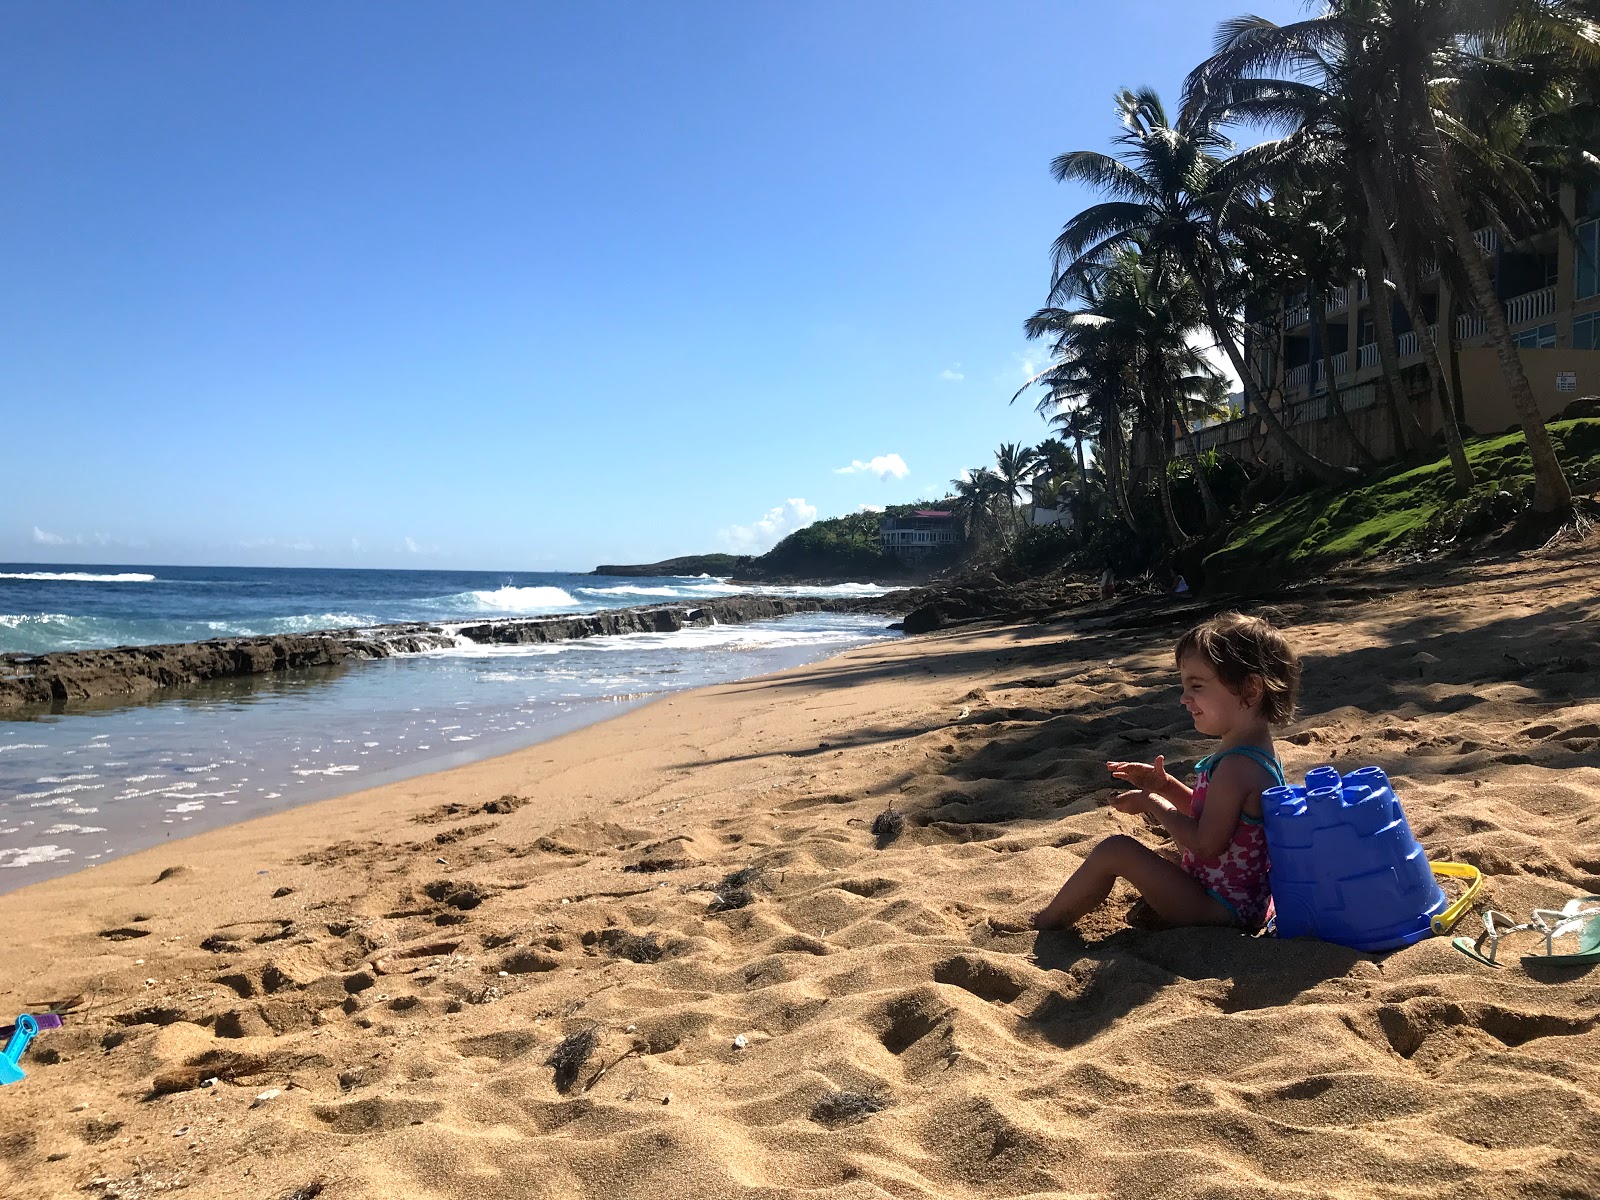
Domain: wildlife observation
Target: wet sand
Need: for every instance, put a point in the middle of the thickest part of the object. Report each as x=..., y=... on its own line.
x=377, y=983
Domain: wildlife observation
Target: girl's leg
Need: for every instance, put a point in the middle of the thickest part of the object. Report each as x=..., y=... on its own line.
x=1173, y=893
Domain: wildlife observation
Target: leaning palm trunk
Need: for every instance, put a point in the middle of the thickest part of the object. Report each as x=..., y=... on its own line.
x=1551, y=492
x=1115, y=467
x=1207, y=497
x=1175, y=533
x=1419, y=326
x=1298, y=454
x=1407, y=424
x=1335, y=400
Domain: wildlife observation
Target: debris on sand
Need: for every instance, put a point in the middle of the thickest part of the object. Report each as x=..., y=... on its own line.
x=887, y=826
x=733, y=890
x=845, y=1108
x=571, y=1053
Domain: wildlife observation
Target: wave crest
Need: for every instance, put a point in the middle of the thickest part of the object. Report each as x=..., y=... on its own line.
x=80, y=576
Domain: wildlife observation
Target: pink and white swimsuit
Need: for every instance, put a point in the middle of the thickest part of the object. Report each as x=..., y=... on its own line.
x=1236, y=878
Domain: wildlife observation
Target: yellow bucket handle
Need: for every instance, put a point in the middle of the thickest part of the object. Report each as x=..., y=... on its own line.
x=1446, y=921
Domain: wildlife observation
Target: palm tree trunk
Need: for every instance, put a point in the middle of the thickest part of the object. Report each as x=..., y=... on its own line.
x=1320, y=316
x=1114, y=466
x=1175, y=532
x=1324, y=471
x=1441, y=389
x=1551, y=492
x=1405, y=415
x=1207, y=497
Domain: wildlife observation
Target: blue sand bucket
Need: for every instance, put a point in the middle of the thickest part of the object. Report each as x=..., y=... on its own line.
x=1345, y=866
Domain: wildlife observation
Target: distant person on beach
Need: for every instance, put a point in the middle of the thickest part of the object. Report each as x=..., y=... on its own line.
x=1108, y=584
x=1239, y=679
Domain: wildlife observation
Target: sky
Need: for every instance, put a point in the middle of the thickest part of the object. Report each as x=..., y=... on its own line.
x=528, y=286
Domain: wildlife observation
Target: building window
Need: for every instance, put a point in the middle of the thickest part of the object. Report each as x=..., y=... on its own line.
x=1587, y=259
x=1586, y=332
x=1541, y=338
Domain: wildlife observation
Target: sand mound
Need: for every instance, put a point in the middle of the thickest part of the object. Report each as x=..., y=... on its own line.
x=684, y=967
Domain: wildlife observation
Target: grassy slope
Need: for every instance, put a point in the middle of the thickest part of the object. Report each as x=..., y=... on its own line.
x=1404, y=506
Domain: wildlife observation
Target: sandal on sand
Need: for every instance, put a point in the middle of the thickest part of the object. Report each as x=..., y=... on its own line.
x=1580, y=915
x=1495, y=926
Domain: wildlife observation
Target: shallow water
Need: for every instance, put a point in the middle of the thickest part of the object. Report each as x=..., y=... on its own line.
x=78, y=788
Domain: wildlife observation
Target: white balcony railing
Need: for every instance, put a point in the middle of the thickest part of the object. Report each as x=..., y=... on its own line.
x=1488, y=240
x=1367, y=356
x=1429, y=267
x=1363, y=287
x=1299, y=315
x=1338, y=298
x=1468, y=325
x=1408, y=343
x=1300, y=377
x=1531, y=306
x=1341, y=362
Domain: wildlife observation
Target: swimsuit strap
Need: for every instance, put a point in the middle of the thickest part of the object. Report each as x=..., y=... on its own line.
x=1209, y=763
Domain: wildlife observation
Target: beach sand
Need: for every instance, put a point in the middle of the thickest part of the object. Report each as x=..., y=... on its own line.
x=391, y=971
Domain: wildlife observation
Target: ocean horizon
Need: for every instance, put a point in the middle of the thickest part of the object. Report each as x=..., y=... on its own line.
x=84, y=784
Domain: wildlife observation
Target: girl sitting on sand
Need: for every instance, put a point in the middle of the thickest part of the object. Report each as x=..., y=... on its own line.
x=1239, y=679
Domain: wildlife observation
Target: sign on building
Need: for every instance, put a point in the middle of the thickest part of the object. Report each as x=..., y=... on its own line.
x=1566, y=381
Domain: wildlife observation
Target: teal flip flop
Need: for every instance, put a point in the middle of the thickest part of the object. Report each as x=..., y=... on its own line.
x=1495, y=926
x=1580, y=915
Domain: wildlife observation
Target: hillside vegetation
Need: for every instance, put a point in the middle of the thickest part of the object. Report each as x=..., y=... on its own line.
x=1405, y=507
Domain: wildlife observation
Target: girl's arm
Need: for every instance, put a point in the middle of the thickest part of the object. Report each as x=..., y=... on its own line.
x=1230, y=787
x=1153, y=777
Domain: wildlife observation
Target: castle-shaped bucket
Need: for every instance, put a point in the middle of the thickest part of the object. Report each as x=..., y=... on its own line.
x=1344, y=864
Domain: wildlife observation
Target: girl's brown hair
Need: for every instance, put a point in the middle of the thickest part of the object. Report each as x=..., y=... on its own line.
x=1239, y=647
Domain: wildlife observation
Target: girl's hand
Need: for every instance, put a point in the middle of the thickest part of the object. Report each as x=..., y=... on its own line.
x=1149, y=777
x=1135, y=802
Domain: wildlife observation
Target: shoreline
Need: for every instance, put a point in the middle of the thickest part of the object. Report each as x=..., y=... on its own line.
x=397, y=966
x=55, y=680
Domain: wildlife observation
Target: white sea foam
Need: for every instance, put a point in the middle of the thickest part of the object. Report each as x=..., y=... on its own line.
x=58, y=830
x=28, y=856
x=23, y=746
x=516, y=599
x=80, y=576
x=341, y=770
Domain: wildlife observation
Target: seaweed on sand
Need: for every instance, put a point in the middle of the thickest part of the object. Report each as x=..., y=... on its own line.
x=733, y=890
x=887, y=826
x=844, y=1108
x=639, y=948
x=571, y=1053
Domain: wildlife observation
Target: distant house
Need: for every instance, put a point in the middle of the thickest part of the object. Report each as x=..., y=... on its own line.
x=918, y=534
x=1049, y=505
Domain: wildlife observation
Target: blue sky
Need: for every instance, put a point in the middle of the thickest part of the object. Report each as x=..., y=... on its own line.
x=525, y=286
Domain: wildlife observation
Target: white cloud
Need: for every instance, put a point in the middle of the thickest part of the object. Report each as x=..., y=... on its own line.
x=952, y=374
x=43, y=537
x=884, y=466
x=412, y=546
x=272, y=543
x=761, y=535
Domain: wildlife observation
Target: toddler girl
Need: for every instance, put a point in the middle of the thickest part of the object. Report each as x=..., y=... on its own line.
x=1239, y=679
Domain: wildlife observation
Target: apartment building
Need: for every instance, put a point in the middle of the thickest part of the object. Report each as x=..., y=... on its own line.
x=1549, y=288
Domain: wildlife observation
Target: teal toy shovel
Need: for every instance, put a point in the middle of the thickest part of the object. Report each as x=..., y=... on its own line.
x=23, y=1032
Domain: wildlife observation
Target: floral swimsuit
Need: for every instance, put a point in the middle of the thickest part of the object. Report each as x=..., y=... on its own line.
x=1236, y=878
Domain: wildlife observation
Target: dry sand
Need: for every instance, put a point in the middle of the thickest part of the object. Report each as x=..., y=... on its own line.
x=397, y=966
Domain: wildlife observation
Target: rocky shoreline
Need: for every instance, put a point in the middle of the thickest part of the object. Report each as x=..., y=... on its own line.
x=64, y=678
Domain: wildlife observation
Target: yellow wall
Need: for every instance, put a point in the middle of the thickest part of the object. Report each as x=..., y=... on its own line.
x=1487, y=403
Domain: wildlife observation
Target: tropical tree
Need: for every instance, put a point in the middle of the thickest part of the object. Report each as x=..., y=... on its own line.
x=976, y=504
x=1397, y=65
x=1173, y=189
x=1013, y=463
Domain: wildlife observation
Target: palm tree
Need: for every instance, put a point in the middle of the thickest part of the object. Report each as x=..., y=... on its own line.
x=976, y=494
x=1013, y=461
x=1172, y=189
x=1398, y=60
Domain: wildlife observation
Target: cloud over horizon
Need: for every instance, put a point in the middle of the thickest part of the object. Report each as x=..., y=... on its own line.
x=952, y=374
x=761, y=535
x=884, y=466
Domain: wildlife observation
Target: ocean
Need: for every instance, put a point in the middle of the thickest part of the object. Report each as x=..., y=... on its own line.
x=78, y=787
